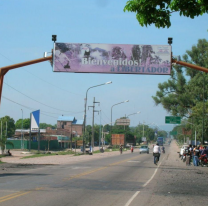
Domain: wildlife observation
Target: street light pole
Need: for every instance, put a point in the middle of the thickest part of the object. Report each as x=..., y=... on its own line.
x=195, y=131
x=130, y=115
x=84, y=126
x=111, y=112
x=133, y=114
x=21, y=132
x=102, y=132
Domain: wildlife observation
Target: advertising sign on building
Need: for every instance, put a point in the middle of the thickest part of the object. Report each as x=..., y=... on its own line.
x=117, y=139
x=35, y=119
x=112, y=58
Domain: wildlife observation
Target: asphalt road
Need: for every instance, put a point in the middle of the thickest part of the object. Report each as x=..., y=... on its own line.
x=122, y=180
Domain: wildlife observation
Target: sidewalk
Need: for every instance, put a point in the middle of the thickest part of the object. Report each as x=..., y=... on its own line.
x=178, y=184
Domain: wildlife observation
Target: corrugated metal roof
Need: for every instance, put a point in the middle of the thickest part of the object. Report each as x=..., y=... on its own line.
x=28, y=131
x=66, y=118
x=80, y=121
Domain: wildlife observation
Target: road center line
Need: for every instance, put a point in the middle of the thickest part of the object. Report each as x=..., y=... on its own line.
x=153, y=174
x=17, y=194
x=9, y=198
x=95, y=170
x=132, y=198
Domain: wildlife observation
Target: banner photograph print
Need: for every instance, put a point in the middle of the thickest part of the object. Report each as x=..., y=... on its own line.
x=112, y=58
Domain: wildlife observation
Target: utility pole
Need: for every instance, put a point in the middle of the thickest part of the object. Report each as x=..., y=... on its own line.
x=6, y=136
x=92, y=139
x=71, y=138
x=100, y=130
x=203, y=109
x=1, y=131
x=22, y=131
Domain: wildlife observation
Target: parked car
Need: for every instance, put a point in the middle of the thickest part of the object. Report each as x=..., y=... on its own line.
x=144, y=149
x=183, y=148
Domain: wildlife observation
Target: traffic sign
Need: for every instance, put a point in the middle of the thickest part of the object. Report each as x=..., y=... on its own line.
x=172, y=120
x=144, y=139
x=173, y=133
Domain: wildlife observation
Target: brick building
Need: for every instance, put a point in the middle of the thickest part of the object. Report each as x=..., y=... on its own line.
x=70, y=125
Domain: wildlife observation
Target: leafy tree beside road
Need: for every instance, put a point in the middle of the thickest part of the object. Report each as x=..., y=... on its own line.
x=45, y=125
x=185, y=93
x=26, y=123
x=158, y=12
x=8, y=130
x=8, y=126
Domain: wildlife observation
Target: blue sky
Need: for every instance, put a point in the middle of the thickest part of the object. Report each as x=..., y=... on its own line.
x=26, y=29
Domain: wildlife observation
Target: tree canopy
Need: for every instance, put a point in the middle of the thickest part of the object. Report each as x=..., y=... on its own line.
x=184, y=89
x=159, y=12
x=8, y=126
x=185, y=93
x=45, y=125
x=26, y=123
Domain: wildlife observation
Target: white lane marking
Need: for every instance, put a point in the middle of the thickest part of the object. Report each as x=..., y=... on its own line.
x=153, y=174
x=132, y=198
x=134, y=161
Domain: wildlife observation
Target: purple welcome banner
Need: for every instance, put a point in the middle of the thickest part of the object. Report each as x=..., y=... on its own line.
x=112, y=58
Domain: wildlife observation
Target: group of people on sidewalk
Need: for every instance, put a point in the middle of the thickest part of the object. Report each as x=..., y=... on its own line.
x=193, y=153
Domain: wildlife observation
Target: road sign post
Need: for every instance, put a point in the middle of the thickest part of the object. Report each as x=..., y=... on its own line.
x=173, y=133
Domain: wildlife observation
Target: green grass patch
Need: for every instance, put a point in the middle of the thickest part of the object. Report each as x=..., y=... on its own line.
x=37, y=155
x=48, y=154
x=77, y=154
x=1, y=162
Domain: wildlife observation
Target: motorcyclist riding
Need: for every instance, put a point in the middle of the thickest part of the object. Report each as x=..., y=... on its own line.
x=156, y=153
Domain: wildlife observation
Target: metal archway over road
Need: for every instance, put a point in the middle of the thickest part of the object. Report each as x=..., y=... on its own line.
x=4, y=70
x=115, y=58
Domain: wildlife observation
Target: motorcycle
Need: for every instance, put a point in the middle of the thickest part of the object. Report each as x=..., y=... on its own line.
x=203, y=160
x=184, y=157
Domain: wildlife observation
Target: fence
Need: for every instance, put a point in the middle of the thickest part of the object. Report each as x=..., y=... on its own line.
x=53, y=145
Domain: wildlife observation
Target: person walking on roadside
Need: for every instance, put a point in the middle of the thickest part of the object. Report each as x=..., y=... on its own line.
x=188, y=156
x=132, y=148
x=156, y=152
x=205, y=151
x=196, y=156
x=190, y=153
x=121, y=149
x=163, y=149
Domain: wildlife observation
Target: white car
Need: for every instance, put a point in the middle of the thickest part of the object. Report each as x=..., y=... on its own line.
x=185, y=146
x=144, y=149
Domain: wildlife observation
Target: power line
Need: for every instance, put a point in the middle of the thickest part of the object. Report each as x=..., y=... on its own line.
x=32, y=109
x=104, y=114
x=27, y=107
x=43, y=79
x=52, y=84
x=35, y=100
